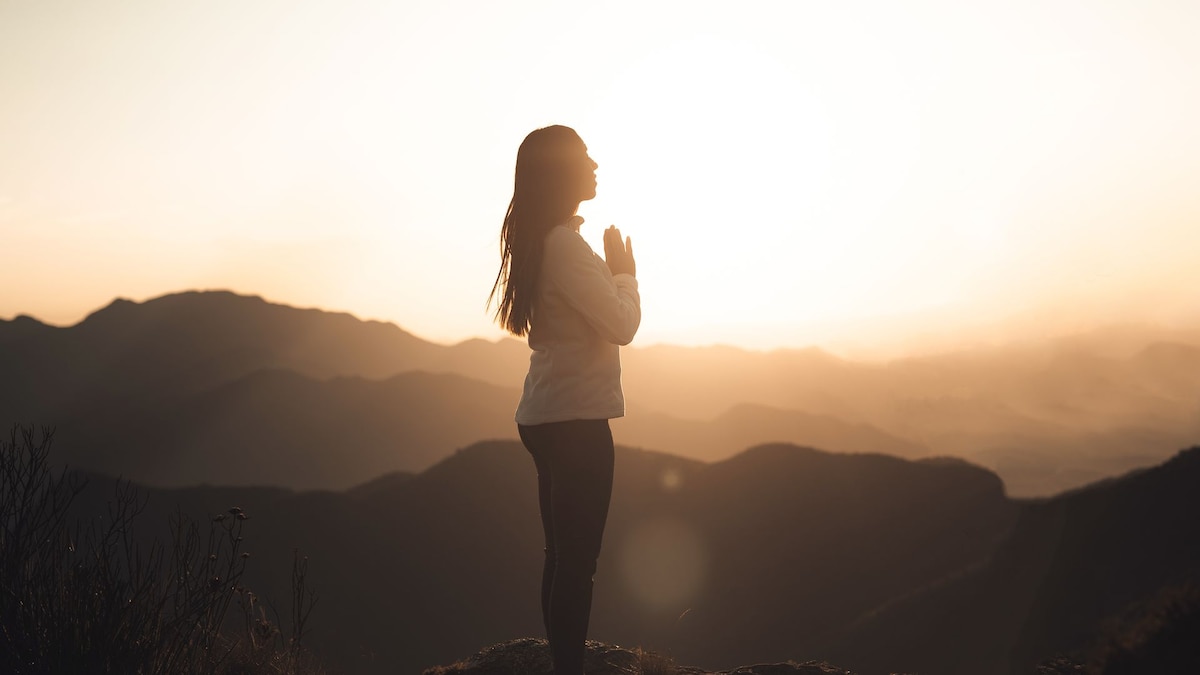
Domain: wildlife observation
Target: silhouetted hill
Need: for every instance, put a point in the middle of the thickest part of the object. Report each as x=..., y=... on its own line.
x=1071, y=564
x=23, y=327
x=1046, y=416
x=875, y=527
x=384, y=483
x=746, y=560
x=183, y=343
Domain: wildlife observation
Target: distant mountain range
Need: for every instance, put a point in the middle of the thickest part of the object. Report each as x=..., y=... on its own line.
x=780, y=552
x=214, y=387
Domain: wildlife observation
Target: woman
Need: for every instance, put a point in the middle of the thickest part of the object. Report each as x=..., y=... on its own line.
x=576, y=309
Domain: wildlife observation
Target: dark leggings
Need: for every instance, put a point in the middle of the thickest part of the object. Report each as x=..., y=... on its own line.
x=574, y=462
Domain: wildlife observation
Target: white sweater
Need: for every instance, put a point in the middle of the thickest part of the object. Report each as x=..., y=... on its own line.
x=581, y=314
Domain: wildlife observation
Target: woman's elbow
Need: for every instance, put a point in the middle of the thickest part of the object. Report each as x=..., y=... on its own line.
x=624, y=335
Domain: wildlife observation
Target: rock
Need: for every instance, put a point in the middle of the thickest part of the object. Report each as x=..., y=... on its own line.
x=1061, y=666
x=530, y=656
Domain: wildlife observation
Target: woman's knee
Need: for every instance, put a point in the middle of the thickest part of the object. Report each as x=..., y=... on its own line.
x=574, y=565
x=577, y=552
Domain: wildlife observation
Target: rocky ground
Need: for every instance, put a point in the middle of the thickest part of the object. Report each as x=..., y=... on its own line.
x=529, y=656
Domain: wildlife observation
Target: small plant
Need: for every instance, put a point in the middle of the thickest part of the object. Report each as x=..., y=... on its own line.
x=652, y=663
x=89, y=598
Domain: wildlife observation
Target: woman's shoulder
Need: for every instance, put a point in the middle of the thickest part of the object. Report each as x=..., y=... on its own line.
x=568, y=255
x=563, y=238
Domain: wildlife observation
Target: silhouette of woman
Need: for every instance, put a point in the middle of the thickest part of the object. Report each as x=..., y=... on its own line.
x=576, y=309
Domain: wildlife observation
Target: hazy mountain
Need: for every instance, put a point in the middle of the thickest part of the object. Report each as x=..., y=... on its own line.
x=1071, y=564
x=280, y=428
x=276, y=427
x=751, y=559
x=1047, y=416
x=747, y=424
x=224, y=389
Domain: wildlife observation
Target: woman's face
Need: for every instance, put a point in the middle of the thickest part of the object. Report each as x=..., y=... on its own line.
x=586, y=176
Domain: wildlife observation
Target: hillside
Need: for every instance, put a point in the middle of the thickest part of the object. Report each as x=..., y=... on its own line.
x=1071, y=565
x=779, y=553
x=765, y=551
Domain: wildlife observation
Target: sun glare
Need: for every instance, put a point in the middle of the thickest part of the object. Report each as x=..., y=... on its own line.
x=705, y=147
x=729, y=167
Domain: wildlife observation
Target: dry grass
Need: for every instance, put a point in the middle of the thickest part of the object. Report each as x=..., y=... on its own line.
x=89, y=598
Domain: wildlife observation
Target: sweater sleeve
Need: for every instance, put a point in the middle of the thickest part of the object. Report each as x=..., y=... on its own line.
x=610, y=304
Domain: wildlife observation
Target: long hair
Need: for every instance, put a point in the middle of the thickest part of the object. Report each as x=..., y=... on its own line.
x=545, y=194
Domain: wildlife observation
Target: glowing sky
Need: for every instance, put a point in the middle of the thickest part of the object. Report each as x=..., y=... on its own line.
x=789, y=172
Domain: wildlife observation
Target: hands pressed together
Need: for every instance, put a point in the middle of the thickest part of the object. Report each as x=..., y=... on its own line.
x=617, y=253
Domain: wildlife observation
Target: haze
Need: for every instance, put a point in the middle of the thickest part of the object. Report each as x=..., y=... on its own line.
x=874, y=176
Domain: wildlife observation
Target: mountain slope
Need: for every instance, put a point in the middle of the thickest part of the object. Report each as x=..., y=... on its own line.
x=184, y=343
x=276, y=427
x=761, y=548
x=1070, y=564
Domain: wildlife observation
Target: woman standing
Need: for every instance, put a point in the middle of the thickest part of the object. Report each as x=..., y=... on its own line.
x=576, y=308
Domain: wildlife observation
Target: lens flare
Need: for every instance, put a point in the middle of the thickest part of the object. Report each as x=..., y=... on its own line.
x=663, y=562
x=672, y=480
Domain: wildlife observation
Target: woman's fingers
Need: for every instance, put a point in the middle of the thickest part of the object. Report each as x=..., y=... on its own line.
x=618, y=253
x=613, y=234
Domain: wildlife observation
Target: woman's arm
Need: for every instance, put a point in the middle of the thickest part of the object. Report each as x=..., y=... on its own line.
x=609, y=302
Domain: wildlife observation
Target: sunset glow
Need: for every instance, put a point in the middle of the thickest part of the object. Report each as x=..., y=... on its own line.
x=855, y=175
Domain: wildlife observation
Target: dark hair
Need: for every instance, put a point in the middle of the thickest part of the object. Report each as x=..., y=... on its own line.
x=545, y=194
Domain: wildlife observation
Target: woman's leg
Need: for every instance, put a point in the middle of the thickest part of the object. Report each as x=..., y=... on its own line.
x=582, y=488
x=579, y=457
x=532, y=443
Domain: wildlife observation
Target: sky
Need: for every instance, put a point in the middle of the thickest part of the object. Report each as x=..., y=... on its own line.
x=837, y=173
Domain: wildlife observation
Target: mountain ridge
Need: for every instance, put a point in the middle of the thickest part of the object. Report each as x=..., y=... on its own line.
x=1048, y=417
x=1071, y=564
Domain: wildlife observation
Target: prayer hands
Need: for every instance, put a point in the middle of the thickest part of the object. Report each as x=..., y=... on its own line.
x=618, y=254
